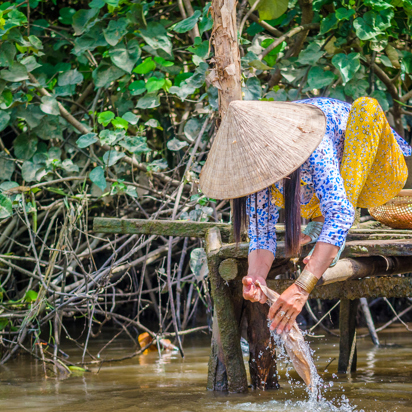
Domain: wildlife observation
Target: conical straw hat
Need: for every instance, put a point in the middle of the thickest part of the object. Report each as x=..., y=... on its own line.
x=259, y=143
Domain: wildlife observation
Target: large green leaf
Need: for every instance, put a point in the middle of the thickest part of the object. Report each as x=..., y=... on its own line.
x=372, y=24
x=135, y=144
x=72, y=77
x=105, y=118
x=7, y=166
x=115, y=31
x=154, y=84
x=31, y=63
x=6, y=207
x=145, y=67
x=16, y=73
x=148, y=101
x=356, y=88
x=407, y=62
x=49, y=105
x=344, y=14
x=155, y=35
x=32, y=114
x=111, y=137
x=252, y=89
x=14, y=18
x=136, y=15
x=192, y=128
x=206, y=21
x=105, y=74
x=90, y=40
x=347, y=65
x=49, y=128
x=317, y=78
x=29, y=170
x=125, y=56
x=329, y=23
x=97, y=177
x=66, y=15
x=176, y=144
x=7, y=53
x=187, y=24
x=378, y=4
x=86, y=140
x=82, y=18
x=69, y=166
x=157, y=165
x=4, y=119
x=311, y=54
x=131, y=117
x=270, y=9
x=111, y=157
x=25, y=146
x=138, y=87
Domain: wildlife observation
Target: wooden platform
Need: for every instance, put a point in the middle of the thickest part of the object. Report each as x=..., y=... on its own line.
x=371, y=266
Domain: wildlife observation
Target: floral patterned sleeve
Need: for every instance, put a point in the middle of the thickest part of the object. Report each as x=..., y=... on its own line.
x=338, y=212
x=263, y=216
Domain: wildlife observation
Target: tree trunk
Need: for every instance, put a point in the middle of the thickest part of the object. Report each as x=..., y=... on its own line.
x=226, y=74
x=226, y=77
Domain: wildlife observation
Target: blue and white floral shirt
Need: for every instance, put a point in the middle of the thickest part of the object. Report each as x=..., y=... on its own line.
x=321, y=175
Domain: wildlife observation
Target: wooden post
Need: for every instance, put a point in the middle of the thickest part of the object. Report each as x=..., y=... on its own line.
x=226, y=337
x=347, y=326
x=262, y=354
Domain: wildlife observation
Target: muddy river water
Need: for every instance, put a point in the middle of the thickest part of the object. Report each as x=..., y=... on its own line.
x=383, y=381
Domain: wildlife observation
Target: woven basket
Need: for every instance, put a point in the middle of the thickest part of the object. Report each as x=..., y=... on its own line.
x=396, y=213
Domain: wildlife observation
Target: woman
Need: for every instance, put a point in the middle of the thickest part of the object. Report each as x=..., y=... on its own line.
x=347, y=158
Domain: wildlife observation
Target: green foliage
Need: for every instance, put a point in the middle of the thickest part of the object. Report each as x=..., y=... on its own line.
x=137, y=71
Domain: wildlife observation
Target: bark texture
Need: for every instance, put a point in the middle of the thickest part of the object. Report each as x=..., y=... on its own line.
x=226, y=73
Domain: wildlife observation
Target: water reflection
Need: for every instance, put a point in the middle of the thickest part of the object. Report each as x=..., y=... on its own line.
x=149, y=383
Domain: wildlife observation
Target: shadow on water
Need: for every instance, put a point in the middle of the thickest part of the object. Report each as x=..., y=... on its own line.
x=383, y=382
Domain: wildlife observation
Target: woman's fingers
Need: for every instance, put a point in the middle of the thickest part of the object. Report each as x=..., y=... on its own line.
x=283, y=322
x=291, y=321
x=252, y=292
x=304, y=239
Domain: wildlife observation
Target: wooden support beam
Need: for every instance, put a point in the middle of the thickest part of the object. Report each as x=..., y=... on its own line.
x=347, y=269
x=357, y=248
x=198, y=229
x=228, y=327
x=390, y=287
x=347, y=327
x=177, y=228
x=262, y=354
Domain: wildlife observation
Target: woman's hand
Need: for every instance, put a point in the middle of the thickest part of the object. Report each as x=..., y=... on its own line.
x=251, y=291
x=288, y=306
x=260, y=262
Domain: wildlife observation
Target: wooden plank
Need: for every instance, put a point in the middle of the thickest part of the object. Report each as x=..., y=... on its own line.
x=182, y=228
x=390, y=287
x=347, y=327
x=345, y=269
x=178, y=228
x=359, y=248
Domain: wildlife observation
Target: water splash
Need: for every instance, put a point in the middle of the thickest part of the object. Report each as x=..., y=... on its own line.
x=317, y=401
